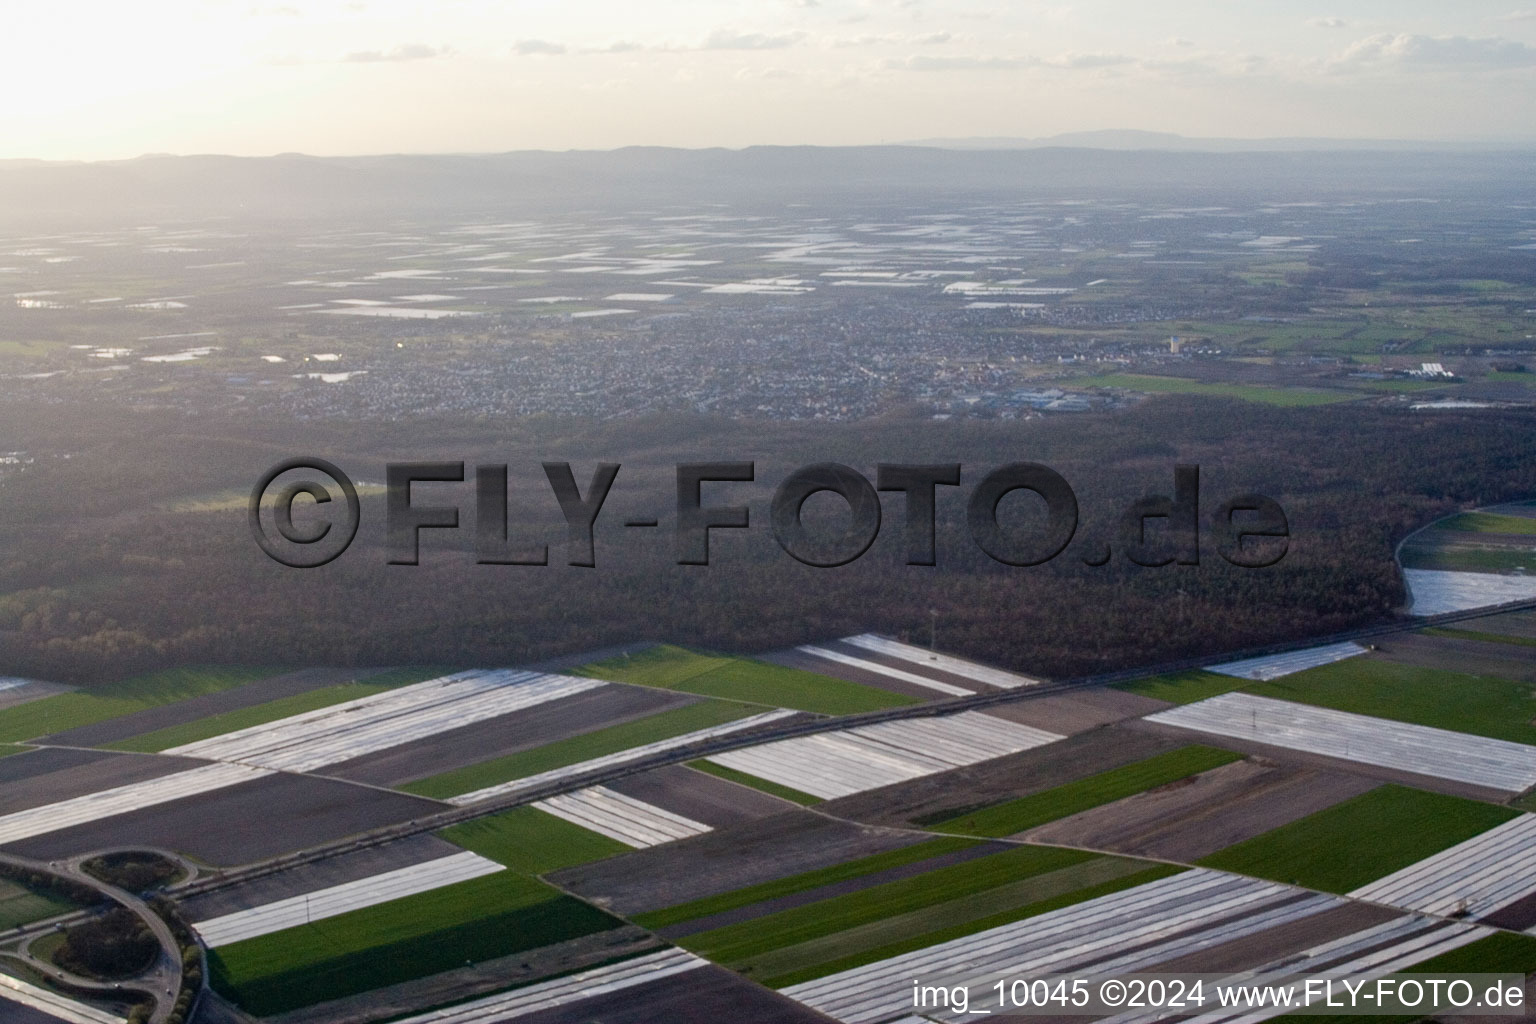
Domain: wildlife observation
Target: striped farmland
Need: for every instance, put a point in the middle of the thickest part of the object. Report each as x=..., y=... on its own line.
x=574, y=988
x=1124, y=931
x=345, y=731
x=620, y=817
x=1441, y=753
x=619, y=758
x=835, y=764
x=108, y=803
x=1274, y=666
x=943, y=662
x=340, y=899
x=1476, y=877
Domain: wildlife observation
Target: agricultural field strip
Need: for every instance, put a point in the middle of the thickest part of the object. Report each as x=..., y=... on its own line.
x=1484, y=873
x=91, y=807
x=342, y=732
x=51, y=1003
x=1422, y=749
x=1436, y=591
x=838, y=764
x=612, y=814
x=1276, y=665
x=621, y=757
x=339, y=899
x=943, y=662
x=1152, y=923
x=573, y=988
x=1380, y=949
x=865, y=665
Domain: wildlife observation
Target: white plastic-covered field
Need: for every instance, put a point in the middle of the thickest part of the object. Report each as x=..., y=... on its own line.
x=107, y=803
x=1121, y=932
x=1436, y=591
x=865, y=665
x=340, y=899
x=620, y=757
x=943, y=662
x=1274, y=666
x=1441, y=753
x=838, y=764
x=15, y=990
x=1476, y=877
x=1369, y=953
x=342, y=732
x=574, y=988
x=617, y=816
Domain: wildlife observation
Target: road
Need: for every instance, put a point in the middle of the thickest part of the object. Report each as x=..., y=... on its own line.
x=161, y=983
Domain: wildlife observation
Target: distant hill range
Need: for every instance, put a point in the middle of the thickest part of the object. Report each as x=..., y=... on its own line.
x=1128, y=139
x=533, y=182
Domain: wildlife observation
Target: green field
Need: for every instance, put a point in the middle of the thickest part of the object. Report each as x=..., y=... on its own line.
x=526, y=839
x=20, y=905
x=1003, y=914
x=1186, y=386
x=470, y=922
x=742, y=778
x=1482, y=705
x=1026, y=812
x=758, y=682
x=1360, y=840
x=86, y=707
x=800, y=883
x=1185, y=687
x=959, y=912
x=260, y=714
x=564, y=752
x=1488, y=522
x=737, y=945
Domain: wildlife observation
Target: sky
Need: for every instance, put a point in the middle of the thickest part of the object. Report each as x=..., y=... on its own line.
x=109, y=80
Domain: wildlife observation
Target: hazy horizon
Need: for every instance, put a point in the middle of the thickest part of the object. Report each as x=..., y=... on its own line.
x=330, y=77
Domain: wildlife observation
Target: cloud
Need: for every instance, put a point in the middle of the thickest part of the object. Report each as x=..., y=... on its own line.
x=1327, y=22
x=403, y=52
x=725, y=39
x=535, y=47
x=621, y=46
x=1088, y=61
x=933, y=39
x=925, y=63
x=1436, y=53
x=1064, y=62
x=1523, y=15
